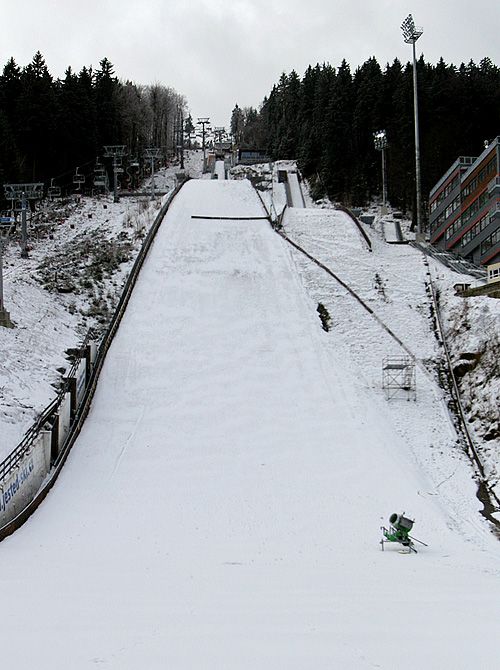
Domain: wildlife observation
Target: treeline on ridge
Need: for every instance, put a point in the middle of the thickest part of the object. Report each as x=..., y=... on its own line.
x=326, y=121
x=50, y=126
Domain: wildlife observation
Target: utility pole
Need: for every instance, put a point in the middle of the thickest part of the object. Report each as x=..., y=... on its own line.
x=116, y=152
x=380, y=140
x=151, y=153
x=204, y=121
x=411, y=34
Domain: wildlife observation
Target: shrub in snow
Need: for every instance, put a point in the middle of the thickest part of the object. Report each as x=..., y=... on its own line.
x=324, y=316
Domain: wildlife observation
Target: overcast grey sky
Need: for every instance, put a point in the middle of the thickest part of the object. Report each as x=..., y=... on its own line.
x=221, y=52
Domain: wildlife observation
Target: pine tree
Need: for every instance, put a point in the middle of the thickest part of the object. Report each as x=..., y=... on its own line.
x=37, y=114
x=107, y=104
x=237, y=125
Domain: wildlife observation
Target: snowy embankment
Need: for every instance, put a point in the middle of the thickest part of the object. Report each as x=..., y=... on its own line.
x=221, y=507
x=472, y=328
x=81, y=254
x=47, y=321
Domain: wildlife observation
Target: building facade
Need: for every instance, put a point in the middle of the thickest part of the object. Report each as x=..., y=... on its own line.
x=464, y=207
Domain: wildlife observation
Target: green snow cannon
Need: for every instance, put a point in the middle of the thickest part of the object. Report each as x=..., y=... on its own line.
x=399, y=531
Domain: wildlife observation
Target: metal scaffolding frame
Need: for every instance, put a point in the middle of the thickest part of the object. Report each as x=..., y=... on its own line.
x=399, y=377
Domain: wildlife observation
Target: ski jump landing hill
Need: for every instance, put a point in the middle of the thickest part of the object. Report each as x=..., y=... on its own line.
x=221, y=506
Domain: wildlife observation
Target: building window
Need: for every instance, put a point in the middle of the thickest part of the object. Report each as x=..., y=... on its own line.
x=488, y=169
x=475, y=230
x=474, y=207
x=452, y=207
x=490, y=241
x=453, y=229
x=445, y=192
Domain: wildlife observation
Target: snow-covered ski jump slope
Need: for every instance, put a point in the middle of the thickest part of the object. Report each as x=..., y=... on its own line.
x=221, y=507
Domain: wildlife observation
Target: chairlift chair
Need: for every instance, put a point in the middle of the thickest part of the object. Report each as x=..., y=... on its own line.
x=99, y=175
x=78, y=179
x=53, y=191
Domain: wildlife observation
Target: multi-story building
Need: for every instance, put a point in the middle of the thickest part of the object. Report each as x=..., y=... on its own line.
x=464, y=207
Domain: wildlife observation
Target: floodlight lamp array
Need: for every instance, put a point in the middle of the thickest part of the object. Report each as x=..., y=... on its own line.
x=380, y=139
x=410, y=32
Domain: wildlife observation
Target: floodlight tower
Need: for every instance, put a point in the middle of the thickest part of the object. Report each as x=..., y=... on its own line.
x=204, y=121
x=381, y=144
x=152, y=153
x=116, y=152
x=411, y=34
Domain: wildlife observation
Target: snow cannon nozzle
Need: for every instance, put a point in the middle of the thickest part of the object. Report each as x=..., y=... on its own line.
x=401, y=523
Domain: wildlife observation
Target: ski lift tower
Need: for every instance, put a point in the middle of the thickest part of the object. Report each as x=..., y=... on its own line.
x=19, y=194
x=116, y=152
x=398, y=377
x=204, y=121
x=179, y=136
x=151, y=153
x=5, y=321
